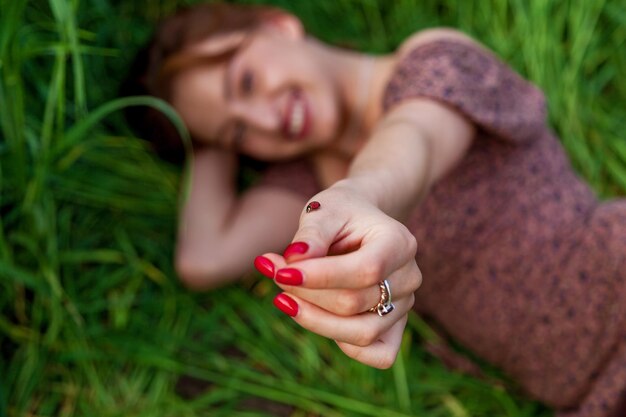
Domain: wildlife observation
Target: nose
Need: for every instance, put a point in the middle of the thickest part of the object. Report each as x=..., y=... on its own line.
x=258, y=115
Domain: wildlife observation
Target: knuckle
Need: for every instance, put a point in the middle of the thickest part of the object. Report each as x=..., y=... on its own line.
x=417, y=277
x=372, y=272
x=354, y=352
x=324, y=281
x=411, y=301
x=382, y=360
x=348, y=303
x=386, y=359
x=308, y=232
x=366, y=337
x=411, y=244
x=420, y=278
x=408, y=239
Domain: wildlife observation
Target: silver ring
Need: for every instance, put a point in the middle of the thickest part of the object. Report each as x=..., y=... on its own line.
x=384, y=306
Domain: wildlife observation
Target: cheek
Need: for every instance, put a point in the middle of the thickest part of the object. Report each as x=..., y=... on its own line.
x=294, y=67
x=325, y=111
x=198, y=126
x=196, y=96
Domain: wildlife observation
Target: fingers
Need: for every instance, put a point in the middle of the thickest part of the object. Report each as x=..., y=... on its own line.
x=373, y=345
x=376, y=259
x=348, y=302
x=331, y=229
x=359, y=330
x=314, y=236
x=331, y=273
x=364, y=252
x=382, y=353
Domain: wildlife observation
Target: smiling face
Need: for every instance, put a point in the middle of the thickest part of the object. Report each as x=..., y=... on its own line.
x=272, y=100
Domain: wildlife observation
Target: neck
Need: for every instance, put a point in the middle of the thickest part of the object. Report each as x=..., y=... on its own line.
x=360, y=81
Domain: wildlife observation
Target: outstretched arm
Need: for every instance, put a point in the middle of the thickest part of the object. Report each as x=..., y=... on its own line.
x=416, y=144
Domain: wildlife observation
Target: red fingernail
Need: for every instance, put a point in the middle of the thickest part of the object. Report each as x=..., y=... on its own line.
x=296, y=248
x=264, y=266
x=289, y=276
x=286, y=304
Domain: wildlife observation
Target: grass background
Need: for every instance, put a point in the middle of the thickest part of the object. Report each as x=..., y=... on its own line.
x=92, y=319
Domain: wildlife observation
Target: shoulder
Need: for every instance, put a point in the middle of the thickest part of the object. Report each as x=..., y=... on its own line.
x=462, y=79
x=428, y=36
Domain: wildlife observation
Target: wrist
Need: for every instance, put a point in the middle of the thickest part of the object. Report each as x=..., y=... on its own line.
x=357, y=187
x=378, y=191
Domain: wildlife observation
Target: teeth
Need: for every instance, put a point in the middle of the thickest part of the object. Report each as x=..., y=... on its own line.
x=297, y=119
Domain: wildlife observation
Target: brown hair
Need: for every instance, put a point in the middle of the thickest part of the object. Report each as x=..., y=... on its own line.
x=157, y=62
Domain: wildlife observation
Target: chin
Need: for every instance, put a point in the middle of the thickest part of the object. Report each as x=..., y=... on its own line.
x=278, y=155
x=326, y=120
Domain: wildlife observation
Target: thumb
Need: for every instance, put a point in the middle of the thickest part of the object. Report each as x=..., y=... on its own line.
x=318, y=230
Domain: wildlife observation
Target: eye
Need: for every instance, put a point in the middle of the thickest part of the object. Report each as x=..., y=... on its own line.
x=247, y=82
x=239, y=132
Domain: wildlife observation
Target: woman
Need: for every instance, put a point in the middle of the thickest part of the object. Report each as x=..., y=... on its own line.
x=438, y=143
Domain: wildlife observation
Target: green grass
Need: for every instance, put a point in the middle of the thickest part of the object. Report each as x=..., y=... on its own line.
x=93, y=321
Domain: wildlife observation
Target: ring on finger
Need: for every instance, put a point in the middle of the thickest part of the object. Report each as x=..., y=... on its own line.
x=384, y=305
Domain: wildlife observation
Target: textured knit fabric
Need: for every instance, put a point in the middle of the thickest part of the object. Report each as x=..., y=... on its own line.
x=520, y=262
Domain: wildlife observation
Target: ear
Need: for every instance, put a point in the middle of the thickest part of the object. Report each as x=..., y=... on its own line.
x=285, y=23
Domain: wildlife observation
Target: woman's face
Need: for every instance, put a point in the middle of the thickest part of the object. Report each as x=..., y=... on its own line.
x=271, y=101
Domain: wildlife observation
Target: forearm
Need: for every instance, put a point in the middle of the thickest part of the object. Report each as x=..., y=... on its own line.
x=214, y=259
x=203, y=217
x=412, y=148
x=221, y=232
x=392, y=171
x=211, y=198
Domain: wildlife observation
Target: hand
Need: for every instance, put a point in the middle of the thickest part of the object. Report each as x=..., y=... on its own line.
x=331, y=275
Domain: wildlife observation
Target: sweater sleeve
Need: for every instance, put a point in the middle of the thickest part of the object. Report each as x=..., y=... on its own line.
x=475, y=83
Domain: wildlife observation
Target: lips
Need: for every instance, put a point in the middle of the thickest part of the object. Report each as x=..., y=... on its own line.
x=297, y=117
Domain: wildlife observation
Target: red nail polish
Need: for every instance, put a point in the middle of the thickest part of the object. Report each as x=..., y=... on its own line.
x=264, y=266
x=296, y=248
x=289, y=276
x=286, y=304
